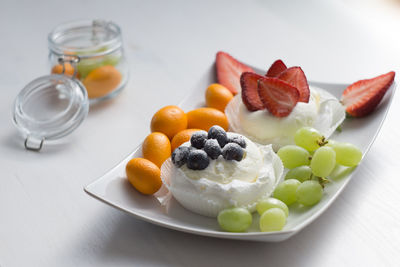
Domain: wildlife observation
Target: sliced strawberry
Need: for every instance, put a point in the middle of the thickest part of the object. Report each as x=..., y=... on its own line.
x=229, y=71
x=250, y=96
x=362, y=97
x=276, y=68
x=295, y=77
x=278, y=96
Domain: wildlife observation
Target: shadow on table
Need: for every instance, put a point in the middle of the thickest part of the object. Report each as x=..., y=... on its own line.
x=134, y=241
x=14, y=143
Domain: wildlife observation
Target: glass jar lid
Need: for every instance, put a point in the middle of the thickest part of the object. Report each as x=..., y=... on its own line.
x=49, y=108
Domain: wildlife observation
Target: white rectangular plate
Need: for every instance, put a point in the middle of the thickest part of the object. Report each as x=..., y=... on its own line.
x=114, y=189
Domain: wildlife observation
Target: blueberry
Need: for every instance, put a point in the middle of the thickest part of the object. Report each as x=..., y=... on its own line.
x=198, y=139
x=197, y=160
x=233, y=151
x=238, y=139
x=212, y=148
x=217, y=132
x=180, y=155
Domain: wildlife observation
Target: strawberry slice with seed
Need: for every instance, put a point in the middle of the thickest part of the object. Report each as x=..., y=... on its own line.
x=296, y=77
x=278, y=96
x=276, y=68
x=362, y=97
x=250, y=97
x=229, y=71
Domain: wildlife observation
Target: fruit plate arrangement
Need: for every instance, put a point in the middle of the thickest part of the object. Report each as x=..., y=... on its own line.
x=114, y=189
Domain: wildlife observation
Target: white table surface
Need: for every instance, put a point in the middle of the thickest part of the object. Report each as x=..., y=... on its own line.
x=47, y=220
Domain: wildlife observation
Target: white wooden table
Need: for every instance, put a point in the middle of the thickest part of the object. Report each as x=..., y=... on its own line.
x=47, y=220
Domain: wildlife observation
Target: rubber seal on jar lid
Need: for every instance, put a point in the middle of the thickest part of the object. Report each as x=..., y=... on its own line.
x=49, y=108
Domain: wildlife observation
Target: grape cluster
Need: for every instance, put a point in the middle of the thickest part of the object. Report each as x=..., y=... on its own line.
x=206, y=146
x=311, y=161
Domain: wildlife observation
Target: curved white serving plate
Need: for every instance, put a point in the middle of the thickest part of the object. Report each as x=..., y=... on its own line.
x=114, y=189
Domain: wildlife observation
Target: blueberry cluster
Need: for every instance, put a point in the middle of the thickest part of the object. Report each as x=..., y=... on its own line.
x=208, y=146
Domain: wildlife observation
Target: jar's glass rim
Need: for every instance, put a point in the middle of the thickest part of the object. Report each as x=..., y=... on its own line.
x=63, y=29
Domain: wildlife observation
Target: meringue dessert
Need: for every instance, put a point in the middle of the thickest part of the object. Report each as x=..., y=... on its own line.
x=219, y=170
x=322, y=112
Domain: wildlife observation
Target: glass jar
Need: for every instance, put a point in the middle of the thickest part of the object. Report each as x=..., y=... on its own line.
x=87, y=65
x=90, y=51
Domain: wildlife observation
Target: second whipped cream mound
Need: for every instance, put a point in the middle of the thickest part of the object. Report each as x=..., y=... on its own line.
x=224, y=184
x=323, y=112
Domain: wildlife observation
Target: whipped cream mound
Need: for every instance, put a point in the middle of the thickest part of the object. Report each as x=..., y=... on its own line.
x=323, y=112
x=224, y=184
x=225, y=171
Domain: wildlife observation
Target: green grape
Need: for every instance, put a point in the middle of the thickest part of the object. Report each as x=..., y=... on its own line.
x=272, y=220
x=323, y=161
x=293, y=156
x=309, y=193
x=268, y=203
x=308, y=138
x=346, y=154
x=301, y=173
x=111, y=59
x=86, y=65
x=286, y=191
x=235, y=219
